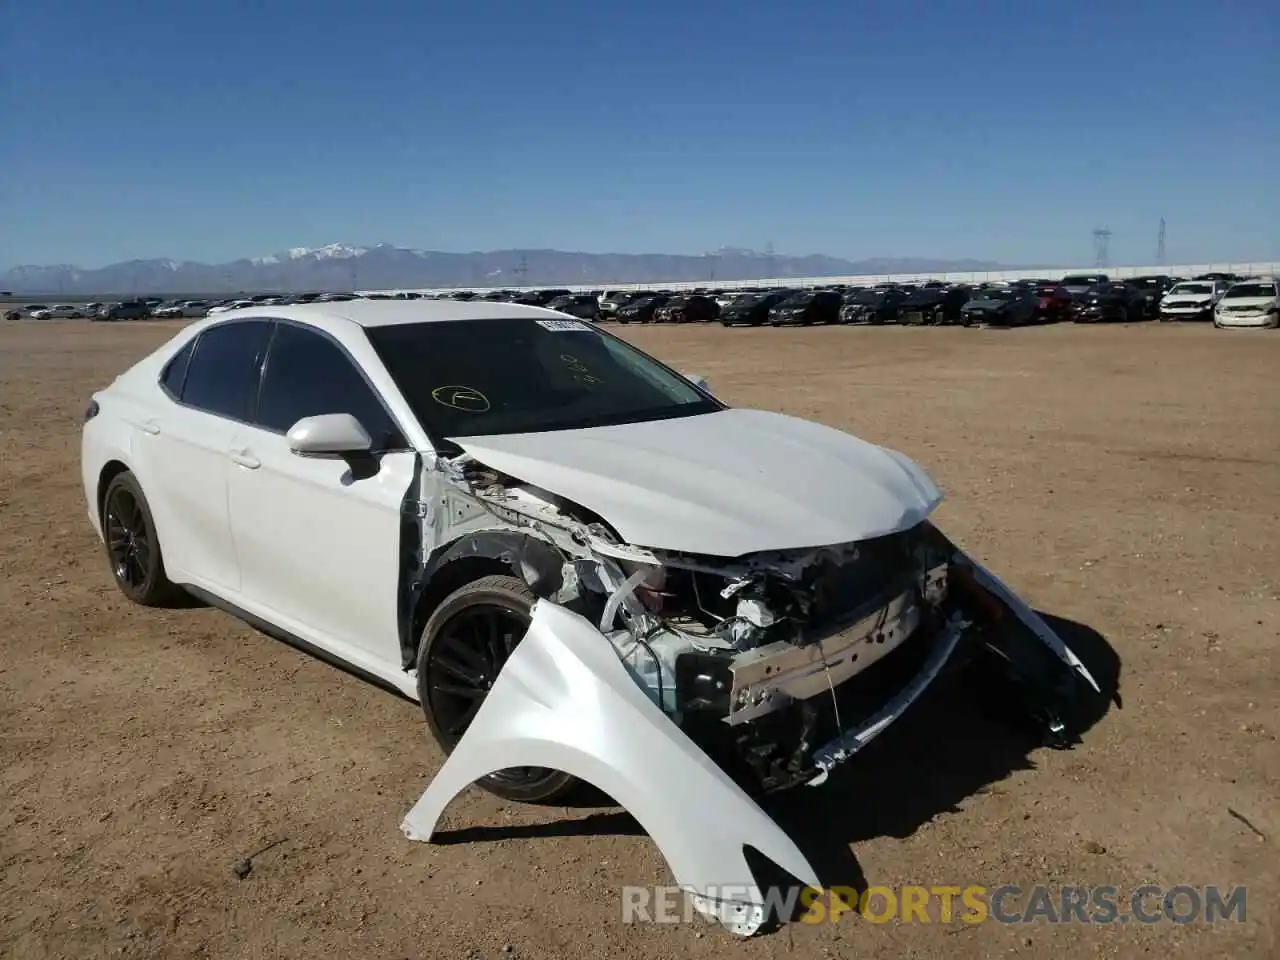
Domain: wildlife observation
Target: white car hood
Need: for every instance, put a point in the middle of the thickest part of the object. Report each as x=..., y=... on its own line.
x=723, y=484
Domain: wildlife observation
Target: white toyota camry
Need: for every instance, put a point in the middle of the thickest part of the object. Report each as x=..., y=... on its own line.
x=581, y=563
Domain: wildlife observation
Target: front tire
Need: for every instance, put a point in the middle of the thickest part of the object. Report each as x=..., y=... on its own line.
x=133, y=549
x=464, y=645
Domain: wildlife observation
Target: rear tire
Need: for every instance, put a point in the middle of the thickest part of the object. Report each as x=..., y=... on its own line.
x=464, y=645
x=133, y=548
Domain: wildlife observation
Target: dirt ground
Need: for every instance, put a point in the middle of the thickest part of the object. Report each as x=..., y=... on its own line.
x=1125, y=479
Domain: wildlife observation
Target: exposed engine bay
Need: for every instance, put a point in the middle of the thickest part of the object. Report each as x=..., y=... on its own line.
x=680, y=684
x=763, y=660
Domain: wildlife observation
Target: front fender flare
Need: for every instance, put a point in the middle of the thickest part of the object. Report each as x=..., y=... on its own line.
x=565, y=701
x=534, y=560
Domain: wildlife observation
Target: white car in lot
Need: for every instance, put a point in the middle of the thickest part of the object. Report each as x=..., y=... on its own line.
x=228, y=307
x=182, y=310
x=1251, y=303
x=1191, y=300
x=582, y=564
x=59, y=311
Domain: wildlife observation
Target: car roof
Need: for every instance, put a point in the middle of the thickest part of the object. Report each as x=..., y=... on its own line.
x=386, y=313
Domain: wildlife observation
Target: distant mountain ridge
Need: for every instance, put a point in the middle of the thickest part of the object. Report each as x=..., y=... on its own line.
x=382, y=266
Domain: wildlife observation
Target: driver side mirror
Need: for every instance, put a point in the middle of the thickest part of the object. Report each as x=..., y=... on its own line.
x=697, y=381
x=329, y=435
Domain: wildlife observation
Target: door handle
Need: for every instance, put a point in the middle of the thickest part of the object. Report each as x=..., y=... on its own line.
x=242, y=456
x=150, y=426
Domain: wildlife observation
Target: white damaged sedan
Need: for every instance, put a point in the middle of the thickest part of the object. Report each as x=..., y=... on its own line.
x=581, y=563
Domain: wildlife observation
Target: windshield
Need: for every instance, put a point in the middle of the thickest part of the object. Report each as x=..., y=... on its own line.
x=996, y=294
x=469, y=378
x=868, y=296
x=1250, y=290
x=797, y=300
x=1083, y=280
x=1192, y=288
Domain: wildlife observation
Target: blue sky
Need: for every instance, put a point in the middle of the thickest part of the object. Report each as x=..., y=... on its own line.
x=998, y=130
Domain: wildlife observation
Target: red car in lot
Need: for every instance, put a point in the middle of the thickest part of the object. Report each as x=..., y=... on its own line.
x=1055, y=303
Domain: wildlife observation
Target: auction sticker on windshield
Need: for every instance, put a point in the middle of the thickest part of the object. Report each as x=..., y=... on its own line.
x=461, y=398
x=563, y=326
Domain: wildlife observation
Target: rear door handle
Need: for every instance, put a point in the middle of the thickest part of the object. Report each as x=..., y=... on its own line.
x=150, y=426
x=242, y=456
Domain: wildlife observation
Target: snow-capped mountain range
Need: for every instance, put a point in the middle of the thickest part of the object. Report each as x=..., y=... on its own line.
x=334, y=251
x=339, y=266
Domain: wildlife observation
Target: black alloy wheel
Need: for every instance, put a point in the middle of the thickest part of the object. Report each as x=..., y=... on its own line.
x=128, y=540
x=133, y=548
x=465, y=645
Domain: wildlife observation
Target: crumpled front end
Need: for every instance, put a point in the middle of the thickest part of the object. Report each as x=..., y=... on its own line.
x=683, y=684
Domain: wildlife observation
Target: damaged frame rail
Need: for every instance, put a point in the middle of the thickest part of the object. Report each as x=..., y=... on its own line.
x=566, y=701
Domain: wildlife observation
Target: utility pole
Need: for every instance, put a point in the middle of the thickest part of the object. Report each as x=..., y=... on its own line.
x=1160, y=245
x=1101, y=246
x=522, y=269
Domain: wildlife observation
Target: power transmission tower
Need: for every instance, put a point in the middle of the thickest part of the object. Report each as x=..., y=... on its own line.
x=1101, y=245
x=1160, y=245
x=522, y=269
x=712, y=260
x=768, y=257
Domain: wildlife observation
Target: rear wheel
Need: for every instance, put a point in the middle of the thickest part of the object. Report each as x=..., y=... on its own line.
x=464, y=646
x=132, y=545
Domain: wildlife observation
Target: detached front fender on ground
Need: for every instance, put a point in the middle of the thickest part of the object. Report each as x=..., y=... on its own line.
x=565, y=701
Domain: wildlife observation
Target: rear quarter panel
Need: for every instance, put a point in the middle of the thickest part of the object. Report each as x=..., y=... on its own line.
x=109, y=436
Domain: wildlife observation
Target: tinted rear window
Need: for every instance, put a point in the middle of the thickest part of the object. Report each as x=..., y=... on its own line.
x=222, y=376
x=175, y=371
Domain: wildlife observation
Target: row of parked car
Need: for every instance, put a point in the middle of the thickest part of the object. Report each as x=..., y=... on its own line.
x=1082, y=298
x=126, y=310
x=160, y=309
x=1226, y=299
